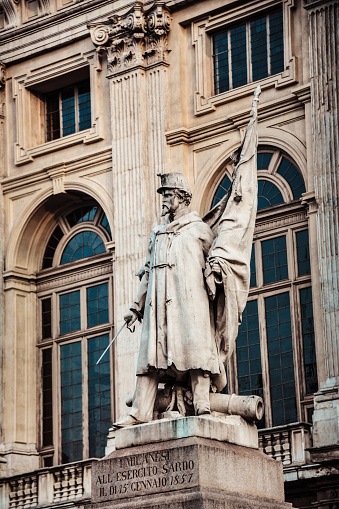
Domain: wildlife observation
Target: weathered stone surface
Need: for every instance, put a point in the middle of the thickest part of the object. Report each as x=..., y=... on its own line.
x=188, y=467
x=231, y=428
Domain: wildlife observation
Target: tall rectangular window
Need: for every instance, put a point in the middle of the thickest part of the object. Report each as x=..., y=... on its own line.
x=253, y=279
x=71, y=402
x=68, y=111
x=280, y=358
x=303, y=253
x=307, y=327
x=47, y=406
x=99, y=396
x=248, y=52
x=46, y=318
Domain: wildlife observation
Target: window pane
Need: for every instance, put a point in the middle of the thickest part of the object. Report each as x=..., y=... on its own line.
x=68, y=112
x=105, y=224
x=259, y=49
x=276, y=42
x=239, y=57
x=222, y=189
x=253, y=280
x=308, y=340
x=47, y=407
x=263, y=160
x=99, y=396
x=97, y=305
x=51, y=247
x=84, y=97
x=71, y=397
x=221, y=67
x=46, y=317
x=69, y=312
x=280, y=358
x=274, y=259
x=82, y=245
x=52, y=116
x=248, y=354
x=81, y=215
x=303, y=253
x=268, y=194
x=292, y=175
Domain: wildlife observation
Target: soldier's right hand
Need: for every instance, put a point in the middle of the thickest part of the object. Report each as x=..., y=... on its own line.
x=130, y=317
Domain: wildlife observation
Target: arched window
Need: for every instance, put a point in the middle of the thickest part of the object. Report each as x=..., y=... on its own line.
x=75, y=300
x=277, y=328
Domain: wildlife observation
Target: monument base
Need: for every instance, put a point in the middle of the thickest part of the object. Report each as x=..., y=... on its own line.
x=187, y=472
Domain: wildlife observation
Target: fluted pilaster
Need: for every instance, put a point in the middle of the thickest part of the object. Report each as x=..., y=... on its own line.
x=324, y=55
x=136, y=46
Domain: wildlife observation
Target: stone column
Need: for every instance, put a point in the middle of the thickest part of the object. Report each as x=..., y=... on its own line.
x=324, y=55
x=136, y=46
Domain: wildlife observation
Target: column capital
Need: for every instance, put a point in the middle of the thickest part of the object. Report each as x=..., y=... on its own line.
x=2, y=75
x=137, y=38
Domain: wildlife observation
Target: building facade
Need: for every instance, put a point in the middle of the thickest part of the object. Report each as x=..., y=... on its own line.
x=96, y=98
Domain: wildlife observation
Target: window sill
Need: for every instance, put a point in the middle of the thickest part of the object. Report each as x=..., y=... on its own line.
x=24, y=156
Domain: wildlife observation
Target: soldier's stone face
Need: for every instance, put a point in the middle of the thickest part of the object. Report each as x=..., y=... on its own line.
x=170, y=202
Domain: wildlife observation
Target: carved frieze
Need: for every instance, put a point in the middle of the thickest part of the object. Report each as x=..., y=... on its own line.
x=137, y=38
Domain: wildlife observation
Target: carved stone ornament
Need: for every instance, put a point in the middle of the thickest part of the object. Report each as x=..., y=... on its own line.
x=2, y=75
x=137, y=38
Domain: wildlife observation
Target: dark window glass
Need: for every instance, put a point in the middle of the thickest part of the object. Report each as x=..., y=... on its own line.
x=294, y=178
x=276, y=42
x=48, y=461
x=222, y=189
x=47, y=406
x=265, y=36
x=68, y=112
x=46, y=317
x=268, y=194
x=81, y=215
x=221, y=67
x=70, y=312
x=71, y=402
x=99, y=396
x=259, y=49
x=97, y=305
x=51, y=247
x=105, y=224
x=52, y=116
x=253, y=280
x=82, y=245
x=238, y=56
x=263, y=160
x=280, y=358
x=84, y=107
x=303, y=253
x=307, y=326
x=274, y=259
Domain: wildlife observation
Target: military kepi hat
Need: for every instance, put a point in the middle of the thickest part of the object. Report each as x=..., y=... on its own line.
x=173, y=181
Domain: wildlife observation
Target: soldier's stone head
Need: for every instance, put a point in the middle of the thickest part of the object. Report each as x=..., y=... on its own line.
x=175, y=191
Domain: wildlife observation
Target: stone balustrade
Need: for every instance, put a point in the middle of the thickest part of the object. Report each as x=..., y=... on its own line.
x=72, y=483
x=54, y=485
x=287, y=443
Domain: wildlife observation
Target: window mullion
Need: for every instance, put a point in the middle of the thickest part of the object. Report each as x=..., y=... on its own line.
x=230, y=74
x=57, y=406
x=76, y=108
x=60, y=116
x=295, y=320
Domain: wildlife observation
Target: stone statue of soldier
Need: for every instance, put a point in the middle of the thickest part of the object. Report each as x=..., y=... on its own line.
x=194, y=287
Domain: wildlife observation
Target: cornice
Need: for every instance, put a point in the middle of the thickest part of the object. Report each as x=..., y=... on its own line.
x=237, y=121
x=79, y=164
x=318, y=4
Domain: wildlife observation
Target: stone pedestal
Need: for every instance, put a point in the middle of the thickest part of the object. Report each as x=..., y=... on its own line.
x=176, y=464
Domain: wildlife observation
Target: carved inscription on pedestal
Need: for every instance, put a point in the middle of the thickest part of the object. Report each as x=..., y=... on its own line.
x=145, y=473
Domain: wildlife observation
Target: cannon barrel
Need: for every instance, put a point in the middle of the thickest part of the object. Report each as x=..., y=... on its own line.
x=250, y=408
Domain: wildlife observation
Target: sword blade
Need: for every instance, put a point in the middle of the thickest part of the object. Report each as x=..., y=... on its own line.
x=117, y=334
